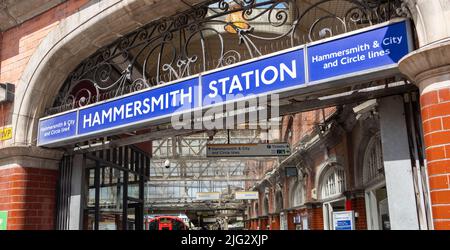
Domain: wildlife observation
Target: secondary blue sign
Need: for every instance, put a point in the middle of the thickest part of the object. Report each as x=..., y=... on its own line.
x=344, y=220
x=372, y=50
x=364, y=51
x=57, y=128
x=343, y=225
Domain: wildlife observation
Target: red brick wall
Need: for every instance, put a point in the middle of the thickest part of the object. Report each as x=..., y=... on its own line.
x=274, y=222
x=304, y=122
x=29, y=194
x=290, y=220
x=435, y=107
x=315, y=218
x=250, y=222
x=263, y=223
x=359, y=206
x=254, y=224
x=247, y=224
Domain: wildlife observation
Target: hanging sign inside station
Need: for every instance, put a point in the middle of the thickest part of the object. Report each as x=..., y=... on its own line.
x=337, y=61
x=246, y=195
x=248, y=150
x=210, y=219
x=344, y=220
x=206, y=196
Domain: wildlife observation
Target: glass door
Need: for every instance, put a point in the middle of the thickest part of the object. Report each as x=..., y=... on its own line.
x=103, y=199
x=114, y=189
x=135, y=211
x=377, y=207
x=328, y=209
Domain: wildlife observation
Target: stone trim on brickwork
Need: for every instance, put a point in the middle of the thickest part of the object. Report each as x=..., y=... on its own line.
x=427, y=65
x=30, y=157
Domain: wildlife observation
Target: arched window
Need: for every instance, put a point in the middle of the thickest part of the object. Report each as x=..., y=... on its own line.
x=278, y=201
x=256, y=209
x=332, y=182
x=297, y=194
x=373, y=167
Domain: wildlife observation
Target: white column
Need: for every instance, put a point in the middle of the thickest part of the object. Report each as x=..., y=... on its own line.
x=397, y=164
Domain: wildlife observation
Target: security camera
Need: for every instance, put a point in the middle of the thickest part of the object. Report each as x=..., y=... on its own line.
x=167, y=164
x=211, y=134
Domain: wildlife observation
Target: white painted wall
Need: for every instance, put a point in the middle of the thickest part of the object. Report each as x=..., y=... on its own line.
x=397, y=165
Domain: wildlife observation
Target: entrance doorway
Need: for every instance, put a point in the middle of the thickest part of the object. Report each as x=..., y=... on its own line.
x=114, y=188
x=376, y=197
x=329, y=208
x=377, y=208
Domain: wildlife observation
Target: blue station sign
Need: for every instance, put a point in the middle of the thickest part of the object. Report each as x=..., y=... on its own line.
x=264, y=76
x=364, y=51
x=133, y=109
x=338, y=59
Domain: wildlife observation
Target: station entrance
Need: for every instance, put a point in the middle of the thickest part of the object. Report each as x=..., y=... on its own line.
x=162, y=176
x=352, y=126
x=115, y=180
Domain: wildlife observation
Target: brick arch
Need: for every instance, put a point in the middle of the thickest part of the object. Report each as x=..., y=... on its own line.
x=71, y=41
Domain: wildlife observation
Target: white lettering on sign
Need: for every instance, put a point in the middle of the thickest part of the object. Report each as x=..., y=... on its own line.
x=208, y=196
x=249, y=195
x=357, y=49
x=252, y=79
x=57, y=128
x=392, y=40
x=356, y=55
x=243, y=150
x=136, y=108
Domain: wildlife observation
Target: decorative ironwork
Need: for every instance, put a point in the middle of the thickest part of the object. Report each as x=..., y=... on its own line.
x=210, y=35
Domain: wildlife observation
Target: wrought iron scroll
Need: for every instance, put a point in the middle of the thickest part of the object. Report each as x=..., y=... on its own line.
x=210, y=35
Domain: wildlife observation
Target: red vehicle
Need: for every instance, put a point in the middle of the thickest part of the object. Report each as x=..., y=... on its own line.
x=166, y=223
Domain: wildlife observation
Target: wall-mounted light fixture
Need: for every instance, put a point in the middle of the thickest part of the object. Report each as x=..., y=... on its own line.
x=6, y=92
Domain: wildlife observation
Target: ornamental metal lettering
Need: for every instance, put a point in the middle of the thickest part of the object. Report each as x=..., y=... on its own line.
x=211, y=35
